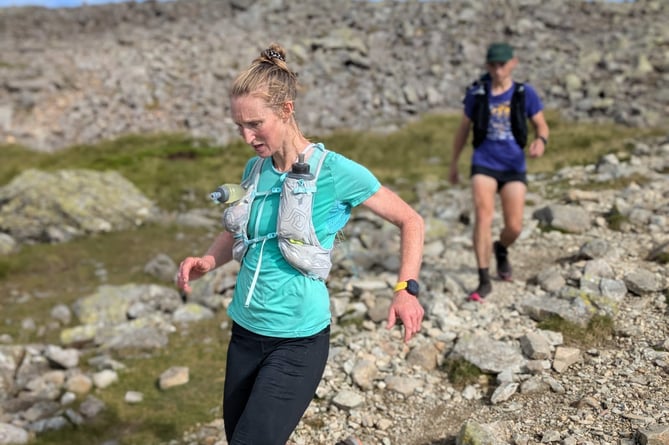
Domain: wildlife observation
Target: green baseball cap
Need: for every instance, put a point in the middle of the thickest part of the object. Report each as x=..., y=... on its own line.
x=499, y=52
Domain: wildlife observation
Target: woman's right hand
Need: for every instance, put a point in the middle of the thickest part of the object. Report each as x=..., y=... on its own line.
x=193, y=268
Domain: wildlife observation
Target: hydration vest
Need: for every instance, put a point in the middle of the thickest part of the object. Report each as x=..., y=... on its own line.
x=295, y=231
x=481, y=112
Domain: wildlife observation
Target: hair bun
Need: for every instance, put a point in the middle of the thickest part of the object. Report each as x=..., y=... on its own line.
x=273, y=54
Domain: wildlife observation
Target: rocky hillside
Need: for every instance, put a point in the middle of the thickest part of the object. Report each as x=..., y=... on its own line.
x=80, y=75
x=584, y=256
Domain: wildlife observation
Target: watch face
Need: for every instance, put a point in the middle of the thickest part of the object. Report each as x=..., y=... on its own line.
x=412, y=287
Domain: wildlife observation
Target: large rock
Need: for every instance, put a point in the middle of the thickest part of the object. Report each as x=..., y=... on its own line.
x=567, y=218
x=13, y=435
x=58, y=206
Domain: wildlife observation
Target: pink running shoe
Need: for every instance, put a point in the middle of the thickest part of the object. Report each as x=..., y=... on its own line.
x=482, y=291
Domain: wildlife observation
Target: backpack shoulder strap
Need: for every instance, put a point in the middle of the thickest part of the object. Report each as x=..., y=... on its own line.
x=518, y=98
x=253, y=176
x=480, y=111
x=320, y=162
x=517, y=115
x=480, y=85
x=478, y=88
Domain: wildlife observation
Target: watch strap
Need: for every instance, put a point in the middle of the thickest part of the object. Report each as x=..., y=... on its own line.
x=410, y=285
x=401, y=286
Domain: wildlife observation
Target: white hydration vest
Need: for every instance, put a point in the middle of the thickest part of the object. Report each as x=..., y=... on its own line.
x=295, y=231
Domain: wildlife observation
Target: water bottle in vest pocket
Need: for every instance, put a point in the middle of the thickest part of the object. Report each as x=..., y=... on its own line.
x=298, y=242
x=236, y=216
x=235, y=219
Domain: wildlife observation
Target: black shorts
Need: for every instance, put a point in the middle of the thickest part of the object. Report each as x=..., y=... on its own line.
x=502, y=177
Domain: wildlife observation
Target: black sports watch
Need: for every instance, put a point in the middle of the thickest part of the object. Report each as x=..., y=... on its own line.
x=411, y=287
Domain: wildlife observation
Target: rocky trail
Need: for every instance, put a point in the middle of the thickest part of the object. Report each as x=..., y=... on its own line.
x=537, y=388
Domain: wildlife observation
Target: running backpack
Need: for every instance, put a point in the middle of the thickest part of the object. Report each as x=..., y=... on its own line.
x=481, y=112
x=295, y=231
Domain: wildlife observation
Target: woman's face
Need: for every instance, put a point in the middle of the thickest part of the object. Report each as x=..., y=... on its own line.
x=258, y=124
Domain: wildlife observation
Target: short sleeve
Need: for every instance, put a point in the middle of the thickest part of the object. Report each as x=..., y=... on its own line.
x=353, y=183
x=468, y=102
x=533, y=104
x=249, y=167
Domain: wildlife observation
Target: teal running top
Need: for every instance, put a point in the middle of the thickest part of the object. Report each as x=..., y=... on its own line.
x=285, y=303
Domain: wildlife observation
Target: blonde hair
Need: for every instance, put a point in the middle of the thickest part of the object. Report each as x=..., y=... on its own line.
x=269, y=77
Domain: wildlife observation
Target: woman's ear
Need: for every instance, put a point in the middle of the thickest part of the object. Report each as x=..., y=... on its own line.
x=287, y=109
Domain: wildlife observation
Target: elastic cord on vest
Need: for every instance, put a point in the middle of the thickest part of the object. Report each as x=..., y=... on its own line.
x=300, y=248
x=254, y=281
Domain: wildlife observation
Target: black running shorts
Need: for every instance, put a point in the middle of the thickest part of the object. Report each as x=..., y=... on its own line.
x=502, y=177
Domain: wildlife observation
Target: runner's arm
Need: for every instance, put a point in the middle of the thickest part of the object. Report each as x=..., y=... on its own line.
x=389, y=206
x=459, y=141
x=541, y=133
x=192, y=268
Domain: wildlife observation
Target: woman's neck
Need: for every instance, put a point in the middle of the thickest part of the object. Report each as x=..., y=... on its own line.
x=284, y=161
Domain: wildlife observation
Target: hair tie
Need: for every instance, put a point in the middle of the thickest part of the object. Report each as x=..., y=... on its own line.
x=272, y=54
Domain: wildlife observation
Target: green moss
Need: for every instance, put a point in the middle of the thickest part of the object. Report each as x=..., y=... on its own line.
x=61, y=273
x=176, y=171
x=316, y=422
x=599, y=330
x=163, y=414
x=662, y=258
x=5, y=268
x=615, y=219
x=461, y=372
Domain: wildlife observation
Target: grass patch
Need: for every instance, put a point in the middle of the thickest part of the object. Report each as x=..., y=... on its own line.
x=461, y=373
x=615, y=219
x=5, y=267
x=582, y=143
x=163, y=414
x=618, y=183
x=558, y=189
x=598, y=332
x=37, y=277
x=659, y=254
x=316, y=422
x=178, y=171
x=62, y=273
